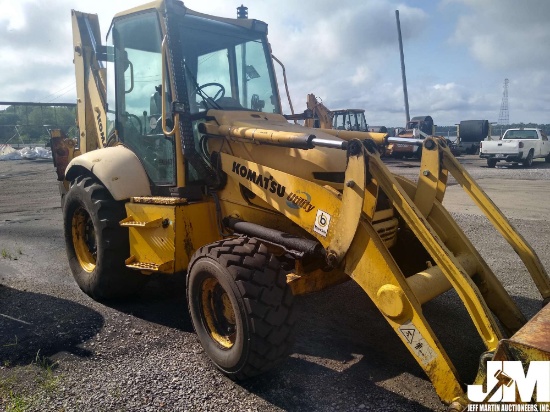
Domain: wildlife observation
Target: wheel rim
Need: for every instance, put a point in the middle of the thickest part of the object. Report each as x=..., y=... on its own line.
x=84, y=239
x=218, y=313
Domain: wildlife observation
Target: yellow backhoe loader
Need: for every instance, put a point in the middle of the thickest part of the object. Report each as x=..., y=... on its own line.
x=342, y=119
x=321, y=116
x=185, y=163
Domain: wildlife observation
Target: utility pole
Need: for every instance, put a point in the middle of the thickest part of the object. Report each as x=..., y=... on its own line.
x=403, y=75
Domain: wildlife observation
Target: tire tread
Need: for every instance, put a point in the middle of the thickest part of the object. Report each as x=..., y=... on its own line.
x=268, y=300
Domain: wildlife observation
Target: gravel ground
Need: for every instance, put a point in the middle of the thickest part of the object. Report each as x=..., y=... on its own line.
x=62, y=351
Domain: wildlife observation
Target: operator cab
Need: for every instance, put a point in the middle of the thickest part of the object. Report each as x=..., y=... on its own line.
x=227, y=67
x=349, y=119
x=209, y=63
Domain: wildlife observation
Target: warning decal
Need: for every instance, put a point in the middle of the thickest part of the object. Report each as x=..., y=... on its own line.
x=418, y=344
x=322, y=223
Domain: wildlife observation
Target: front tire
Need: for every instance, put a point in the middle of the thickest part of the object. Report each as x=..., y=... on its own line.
x=96, y=245
x=241, y=306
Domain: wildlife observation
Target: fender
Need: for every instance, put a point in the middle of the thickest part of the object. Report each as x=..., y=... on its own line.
x=118, y=168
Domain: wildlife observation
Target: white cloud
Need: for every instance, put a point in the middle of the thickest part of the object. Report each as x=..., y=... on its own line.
x=344, y=52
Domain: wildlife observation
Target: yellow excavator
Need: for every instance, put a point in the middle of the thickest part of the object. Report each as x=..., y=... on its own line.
x=184, y=163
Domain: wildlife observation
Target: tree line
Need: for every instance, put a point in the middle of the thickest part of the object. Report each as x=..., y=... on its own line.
x=30, y=124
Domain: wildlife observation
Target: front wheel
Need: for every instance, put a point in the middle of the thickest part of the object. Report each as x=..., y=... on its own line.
x=241, y=306
x=96, y=245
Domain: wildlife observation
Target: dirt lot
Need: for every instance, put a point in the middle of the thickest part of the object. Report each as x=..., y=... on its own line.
x=62, y=351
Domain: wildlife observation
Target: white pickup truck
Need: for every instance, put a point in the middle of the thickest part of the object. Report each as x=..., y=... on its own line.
x=516, y=146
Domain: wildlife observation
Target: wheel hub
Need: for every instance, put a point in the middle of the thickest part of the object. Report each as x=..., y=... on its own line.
x=84, y=239
x=218, y=313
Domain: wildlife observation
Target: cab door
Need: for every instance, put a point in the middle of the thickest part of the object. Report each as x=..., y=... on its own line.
x=135, y=93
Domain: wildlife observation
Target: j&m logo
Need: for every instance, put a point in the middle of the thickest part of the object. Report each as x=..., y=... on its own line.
x=511, y=388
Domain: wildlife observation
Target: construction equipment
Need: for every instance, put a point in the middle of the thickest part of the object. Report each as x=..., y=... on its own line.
x=350, y=119
x=343, y=119
x=186, y=164
x=321, y=116
x=417, y=128
x=470, y=133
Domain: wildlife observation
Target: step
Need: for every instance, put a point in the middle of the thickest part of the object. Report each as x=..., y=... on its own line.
x=130, y=221
x=147, y=267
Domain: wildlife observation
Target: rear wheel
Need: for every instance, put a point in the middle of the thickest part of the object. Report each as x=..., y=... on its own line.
x=491, y=162
x=96, y=245
x=241, y=306
x=528, y=160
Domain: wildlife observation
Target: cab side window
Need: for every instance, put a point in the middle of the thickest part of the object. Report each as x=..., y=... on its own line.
x=138, y=73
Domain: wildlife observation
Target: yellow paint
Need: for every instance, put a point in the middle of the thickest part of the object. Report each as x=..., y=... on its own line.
x=392, y=302
x=315, y=281
x=353, y=197
x=276, y=188
x=218, y=313
x=82, y=231
x=161, y=234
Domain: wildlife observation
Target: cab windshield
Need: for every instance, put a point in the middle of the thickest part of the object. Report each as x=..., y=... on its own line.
x=349, y=120
x=227, y=67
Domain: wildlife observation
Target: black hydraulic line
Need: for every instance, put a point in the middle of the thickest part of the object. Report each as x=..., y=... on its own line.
x=289, y=242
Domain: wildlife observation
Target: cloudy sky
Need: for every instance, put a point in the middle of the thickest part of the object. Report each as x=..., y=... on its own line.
x=457, y=53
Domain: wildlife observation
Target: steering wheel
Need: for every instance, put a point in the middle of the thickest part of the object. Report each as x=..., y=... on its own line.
x=137, y=119
x=219, y=94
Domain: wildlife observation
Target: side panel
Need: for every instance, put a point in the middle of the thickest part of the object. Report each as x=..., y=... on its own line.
x=165, y=236
x=117, y=168
x=152, y=236
x=196, y=226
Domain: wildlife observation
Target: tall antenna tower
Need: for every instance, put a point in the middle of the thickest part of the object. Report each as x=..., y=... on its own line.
x=504, y=117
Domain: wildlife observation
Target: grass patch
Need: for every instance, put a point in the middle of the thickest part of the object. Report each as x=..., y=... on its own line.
x=6, y=254
x=17, y=403
x=46, y=379
x=10, y=399
x=22, y=387
x=43, y=362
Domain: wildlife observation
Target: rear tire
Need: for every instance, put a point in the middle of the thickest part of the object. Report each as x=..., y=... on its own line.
x=241, y=306
x=528, y=160
x=491, y=163
x=96, y=245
